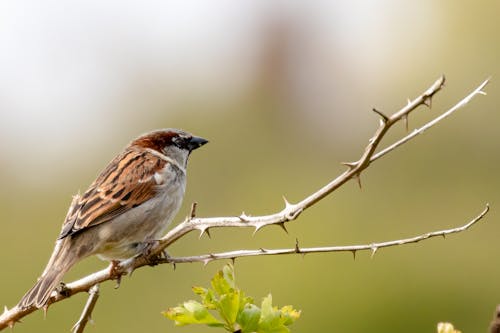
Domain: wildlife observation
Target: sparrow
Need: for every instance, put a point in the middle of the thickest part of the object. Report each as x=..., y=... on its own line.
x=129, y=205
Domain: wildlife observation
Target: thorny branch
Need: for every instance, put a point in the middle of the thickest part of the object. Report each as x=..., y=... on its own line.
x=206, y=258
x=289, y=213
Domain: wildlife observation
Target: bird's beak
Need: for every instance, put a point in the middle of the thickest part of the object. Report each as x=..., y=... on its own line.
x=196, y=142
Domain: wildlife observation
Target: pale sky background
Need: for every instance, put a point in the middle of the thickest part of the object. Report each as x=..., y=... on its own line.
x=66, y=67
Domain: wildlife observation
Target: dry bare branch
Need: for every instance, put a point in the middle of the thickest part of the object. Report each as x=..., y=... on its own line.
x=289, y=213
x=79, y=326
x=373, y=247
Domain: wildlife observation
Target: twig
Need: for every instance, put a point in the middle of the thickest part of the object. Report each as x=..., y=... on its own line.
x=461, y=104
x=79, y=327
x=289, y=213
x=206, y=258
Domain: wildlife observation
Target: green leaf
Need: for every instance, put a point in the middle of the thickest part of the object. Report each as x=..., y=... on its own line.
x=248, y=319
x=229, y=305
x=228, y=271
x=267, y=305
x=207, y=296
x=236, y=310
x=200, y=291
x=191, y=312
x=223, y=281
x=270, y=319
x=275, y=320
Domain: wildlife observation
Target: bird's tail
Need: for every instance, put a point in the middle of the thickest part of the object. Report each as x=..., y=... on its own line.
x=60, y=262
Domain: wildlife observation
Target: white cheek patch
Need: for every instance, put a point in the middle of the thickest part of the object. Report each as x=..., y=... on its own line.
x=159, y=179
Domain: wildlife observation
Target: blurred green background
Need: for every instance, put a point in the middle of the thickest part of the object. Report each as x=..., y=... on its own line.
x=283, y=90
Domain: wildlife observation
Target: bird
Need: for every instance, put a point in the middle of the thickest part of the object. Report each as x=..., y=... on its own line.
x=129, y=205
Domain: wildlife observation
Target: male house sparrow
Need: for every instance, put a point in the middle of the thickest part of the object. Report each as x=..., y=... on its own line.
x=130, y=203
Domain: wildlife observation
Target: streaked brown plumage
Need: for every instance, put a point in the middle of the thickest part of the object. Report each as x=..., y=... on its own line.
x=131, y=202
x=125, y=183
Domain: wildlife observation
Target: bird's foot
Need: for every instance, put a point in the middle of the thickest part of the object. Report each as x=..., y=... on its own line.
x=115, y=273
x=62, y=289
x=146, y=253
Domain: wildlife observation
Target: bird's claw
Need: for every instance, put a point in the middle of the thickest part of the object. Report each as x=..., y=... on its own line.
x=62, y=289
x=153, y=260
x=115, y=273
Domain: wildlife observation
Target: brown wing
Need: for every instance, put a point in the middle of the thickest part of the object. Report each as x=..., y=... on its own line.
x=114, y=193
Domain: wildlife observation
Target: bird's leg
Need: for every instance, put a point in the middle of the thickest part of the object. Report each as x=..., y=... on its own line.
x=115, y=273
x=152, y=260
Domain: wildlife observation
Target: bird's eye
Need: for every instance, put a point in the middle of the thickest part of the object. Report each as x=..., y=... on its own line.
x=181, y=142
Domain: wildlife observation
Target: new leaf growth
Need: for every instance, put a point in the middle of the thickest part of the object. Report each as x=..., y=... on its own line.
x=232, y=310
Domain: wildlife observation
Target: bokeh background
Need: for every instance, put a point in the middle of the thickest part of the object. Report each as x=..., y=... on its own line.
x=283, y=90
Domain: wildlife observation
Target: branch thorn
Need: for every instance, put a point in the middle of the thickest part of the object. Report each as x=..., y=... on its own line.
x=258, y=226
x=205, y=230
x=297, y=248
x=353, y=254
x=282, y=225
x=428, y=101
x=383, y=117
x=287, y=203
x=374, y=250
x=192, y=214
x=358, y=179
x=350, y=165
x=244, y=217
